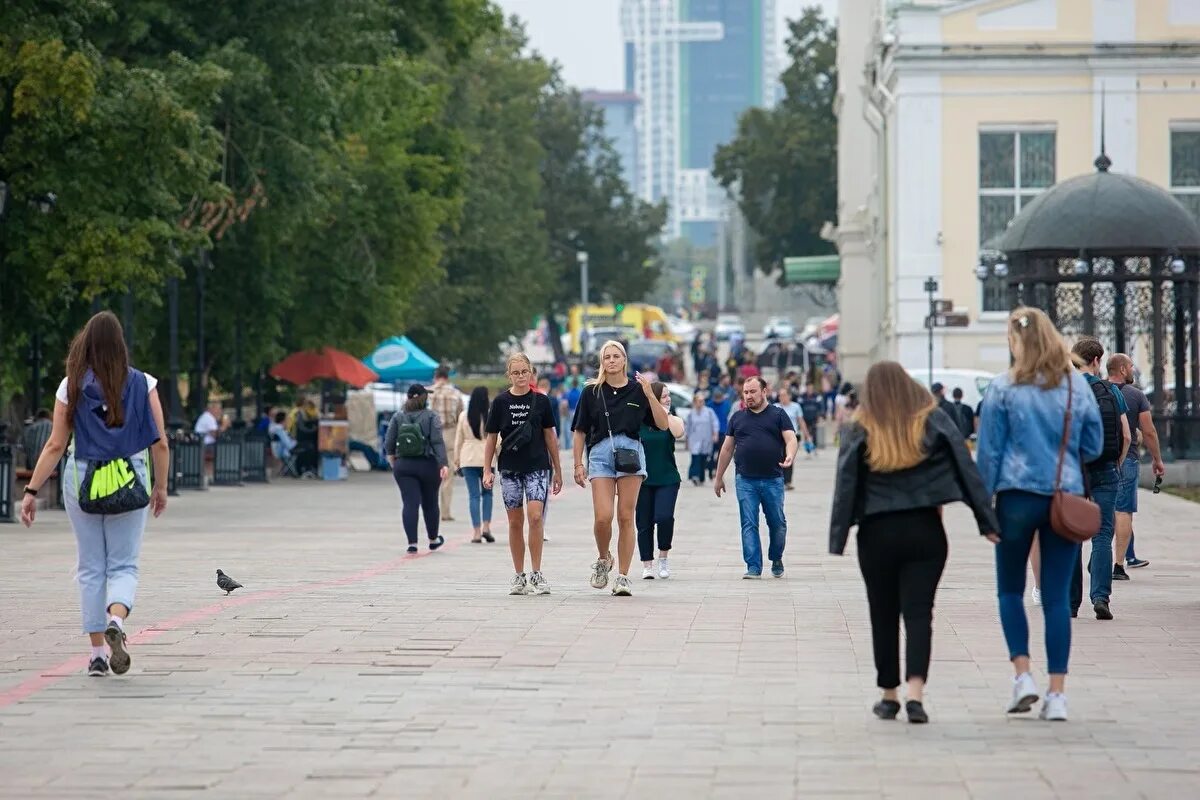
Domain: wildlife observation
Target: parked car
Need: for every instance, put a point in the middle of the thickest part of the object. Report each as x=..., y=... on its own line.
x=779, y=328
x=683, y=330
x=645, y=355
x=727, y=325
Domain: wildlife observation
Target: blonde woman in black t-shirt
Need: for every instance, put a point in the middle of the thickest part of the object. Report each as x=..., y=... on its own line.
x=529, y=468
x=608, y=421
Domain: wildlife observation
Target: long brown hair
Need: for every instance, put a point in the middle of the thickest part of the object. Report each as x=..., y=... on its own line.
x=1042, y=358
x=892, y=410
x=100, y=346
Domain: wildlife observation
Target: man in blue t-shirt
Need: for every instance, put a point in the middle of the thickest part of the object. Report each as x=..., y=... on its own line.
x=761, y=441
x=1103, y=482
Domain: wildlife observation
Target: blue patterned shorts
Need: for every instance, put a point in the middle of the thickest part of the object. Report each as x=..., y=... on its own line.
x=519, y=488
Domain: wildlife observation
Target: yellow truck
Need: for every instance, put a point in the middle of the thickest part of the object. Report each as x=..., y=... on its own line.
x=649, y=321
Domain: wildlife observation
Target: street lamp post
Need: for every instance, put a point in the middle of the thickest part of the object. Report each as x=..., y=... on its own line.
x=176, y=410
x=585, y=332
x=931, y=287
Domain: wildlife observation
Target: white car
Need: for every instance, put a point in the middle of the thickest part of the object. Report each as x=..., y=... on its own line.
x=727, y=326
x=779, y=328
x=681, y=329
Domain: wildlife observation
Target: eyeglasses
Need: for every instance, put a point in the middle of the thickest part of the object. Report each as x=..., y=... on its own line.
x=523, y=373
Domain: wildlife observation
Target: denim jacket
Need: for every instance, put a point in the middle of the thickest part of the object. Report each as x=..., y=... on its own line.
x=1020, y=429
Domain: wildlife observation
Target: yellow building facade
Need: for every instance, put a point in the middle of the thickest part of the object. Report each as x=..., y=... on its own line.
x=970, y=109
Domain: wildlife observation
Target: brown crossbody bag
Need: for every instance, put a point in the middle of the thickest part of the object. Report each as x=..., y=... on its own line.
x=1072, y=517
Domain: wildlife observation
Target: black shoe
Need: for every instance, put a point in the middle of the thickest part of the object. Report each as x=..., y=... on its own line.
x=886, y=709
x=1136, y=563
x=1102, y=610
x=119, y=660
x=97, y=667
x=487, y=536
x=1119, y=573
x=777, y=568
x=412, y=548
x=1074, y=612
x=916, y=712
x=434, y=544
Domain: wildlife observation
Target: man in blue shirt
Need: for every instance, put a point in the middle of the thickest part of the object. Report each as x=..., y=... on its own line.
x=1103, y=478
x=762, y=442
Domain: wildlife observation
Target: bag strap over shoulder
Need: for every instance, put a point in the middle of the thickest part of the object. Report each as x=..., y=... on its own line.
x=1066, y=435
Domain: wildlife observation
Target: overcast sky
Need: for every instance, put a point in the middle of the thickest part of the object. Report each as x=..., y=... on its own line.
x=584, y=36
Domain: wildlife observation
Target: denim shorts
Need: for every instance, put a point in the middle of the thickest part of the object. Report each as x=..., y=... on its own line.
x=1127, y=493
x=602, y=462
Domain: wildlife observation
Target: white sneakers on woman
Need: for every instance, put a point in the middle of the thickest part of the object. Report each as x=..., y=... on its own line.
x=600, y=569
x=663, y=570
x=1025, y=694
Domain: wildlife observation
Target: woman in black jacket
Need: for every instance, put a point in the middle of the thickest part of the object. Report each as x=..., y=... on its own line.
x=901, y=459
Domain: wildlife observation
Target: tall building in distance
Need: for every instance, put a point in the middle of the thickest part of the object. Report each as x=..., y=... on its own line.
x=695, y=66
x=620, y=123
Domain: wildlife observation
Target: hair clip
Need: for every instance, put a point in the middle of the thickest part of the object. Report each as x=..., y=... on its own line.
x=1023, y=322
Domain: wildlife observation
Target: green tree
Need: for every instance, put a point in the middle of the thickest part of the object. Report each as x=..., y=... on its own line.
x=783, y=162
x=497, y=272
x=588, y=206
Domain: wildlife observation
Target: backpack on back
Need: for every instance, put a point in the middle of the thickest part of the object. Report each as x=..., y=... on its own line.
x=411, y=441
x=1110, y=415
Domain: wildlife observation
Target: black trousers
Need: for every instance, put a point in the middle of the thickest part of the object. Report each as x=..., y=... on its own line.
x=655, y=508
x=902, y=556
x=419, y=481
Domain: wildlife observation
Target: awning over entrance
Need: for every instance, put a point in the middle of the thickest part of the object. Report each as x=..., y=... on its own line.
x=812, y=269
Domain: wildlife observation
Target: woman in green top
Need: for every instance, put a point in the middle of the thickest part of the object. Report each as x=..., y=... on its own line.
x=656, y=499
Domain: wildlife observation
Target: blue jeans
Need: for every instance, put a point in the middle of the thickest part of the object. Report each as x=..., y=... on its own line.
x=108, y=545
x=767, y=492
x=697, y=467
x=478, y=498
x=1021, y=515
x=1105, y=486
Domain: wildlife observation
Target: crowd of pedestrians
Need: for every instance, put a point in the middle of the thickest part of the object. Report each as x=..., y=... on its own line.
x=1059, y=426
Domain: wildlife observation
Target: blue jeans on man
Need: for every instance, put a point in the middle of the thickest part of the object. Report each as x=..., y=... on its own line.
x=1104, y=485
x=767, y=493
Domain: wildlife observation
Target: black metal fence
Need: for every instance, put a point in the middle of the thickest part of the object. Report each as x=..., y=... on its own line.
x=227, y=459
x=188, y=460
x=8, y=483
x=254, y=457
x=1179, y=437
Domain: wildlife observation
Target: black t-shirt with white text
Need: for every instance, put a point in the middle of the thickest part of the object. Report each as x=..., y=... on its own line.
x=508, y=412
x=628, y=408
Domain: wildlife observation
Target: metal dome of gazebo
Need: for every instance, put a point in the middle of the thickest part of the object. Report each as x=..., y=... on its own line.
x=1116, y=257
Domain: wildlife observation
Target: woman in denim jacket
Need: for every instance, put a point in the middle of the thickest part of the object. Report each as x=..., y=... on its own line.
x=1020, y=431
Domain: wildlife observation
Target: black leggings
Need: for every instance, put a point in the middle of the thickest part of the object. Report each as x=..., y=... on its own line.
x=655, y=507
x=418, y=480
x=902, y=556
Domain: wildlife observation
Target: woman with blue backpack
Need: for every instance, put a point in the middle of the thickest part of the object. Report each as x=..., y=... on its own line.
x=417, y=451
x=111, y=415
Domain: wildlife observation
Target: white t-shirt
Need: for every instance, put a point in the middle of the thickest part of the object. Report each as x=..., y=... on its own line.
x=207, y=425
x=61, y=394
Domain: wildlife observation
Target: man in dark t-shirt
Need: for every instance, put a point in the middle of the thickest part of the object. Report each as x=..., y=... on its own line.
x=761, y=441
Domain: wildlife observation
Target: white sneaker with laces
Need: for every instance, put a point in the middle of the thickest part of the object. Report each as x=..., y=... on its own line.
x=1054, y=707
x=538, y=583
x=663, y=570
x=622, y=587
x=600, y=569
x=647, y=572
x=1037, y=596
x=1024, y=694
x=518, y=585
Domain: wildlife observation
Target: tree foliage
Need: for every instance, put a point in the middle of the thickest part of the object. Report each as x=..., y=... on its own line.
x=329, y=173
x=783, y=163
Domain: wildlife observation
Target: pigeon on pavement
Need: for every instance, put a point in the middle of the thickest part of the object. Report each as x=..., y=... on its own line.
x=227, y=583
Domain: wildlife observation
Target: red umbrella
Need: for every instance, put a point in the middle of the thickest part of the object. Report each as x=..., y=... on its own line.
x=329, y=363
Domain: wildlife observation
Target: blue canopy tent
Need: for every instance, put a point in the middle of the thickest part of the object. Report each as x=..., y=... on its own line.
x=398, y=360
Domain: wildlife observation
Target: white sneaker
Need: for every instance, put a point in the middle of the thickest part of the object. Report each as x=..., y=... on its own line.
x=518, y=585
x=622, y=587
x=647, y=573
x=600, y=569
x=538, y=583
x=1024, y=694
x=663, y=570
x=1037, y=596
x=1054, y=707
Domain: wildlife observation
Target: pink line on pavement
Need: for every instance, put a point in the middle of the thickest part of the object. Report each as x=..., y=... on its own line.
x=73, y=665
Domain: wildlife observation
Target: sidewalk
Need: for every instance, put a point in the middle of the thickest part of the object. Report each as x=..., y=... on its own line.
x=346, y=669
